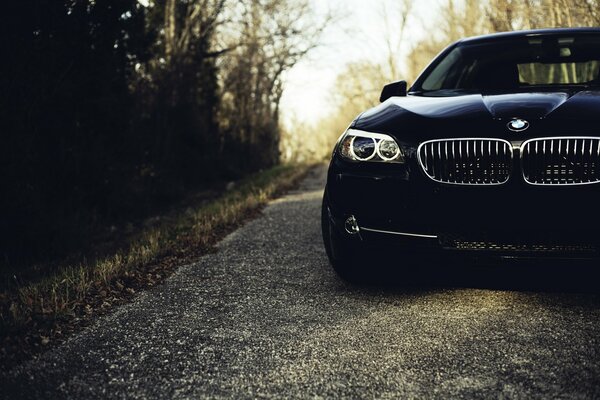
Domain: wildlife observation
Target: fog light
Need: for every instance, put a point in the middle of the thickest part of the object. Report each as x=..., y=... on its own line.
x=351, y=225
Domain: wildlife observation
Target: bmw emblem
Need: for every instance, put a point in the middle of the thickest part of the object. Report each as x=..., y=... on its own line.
x=518, y=125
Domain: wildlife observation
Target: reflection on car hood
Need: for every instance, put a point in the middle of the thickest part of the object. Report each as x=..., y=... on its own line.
x=461, y=113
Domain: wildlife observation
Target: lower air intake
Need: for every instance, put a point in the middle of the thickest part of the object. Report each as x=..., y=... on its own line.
x=526, y=248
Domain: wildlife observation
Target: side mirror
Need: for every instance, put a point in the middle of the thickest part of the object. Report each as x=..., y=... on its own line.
x=393, y=89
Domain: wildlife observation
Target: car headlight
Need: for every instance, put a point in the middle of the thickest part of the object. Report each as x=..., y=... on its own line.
x=367, y=146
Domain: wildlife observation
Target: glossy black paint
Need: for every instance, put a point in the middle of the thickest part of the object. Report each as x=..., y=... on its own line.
x=400, y=197
x=416, y=119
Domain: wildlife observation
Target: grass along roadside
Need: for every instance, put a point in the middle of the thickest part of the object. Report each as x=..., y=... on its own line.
x=36, y=314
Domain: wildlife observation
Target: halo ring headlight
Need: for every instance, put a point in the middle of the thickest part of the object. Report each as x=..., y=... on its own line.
x=392, y=146
x=373, y=153
x=360, y=146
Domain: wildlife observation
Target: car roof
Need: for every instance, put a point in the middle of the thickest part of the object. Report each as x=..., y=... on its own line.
x=533, y=32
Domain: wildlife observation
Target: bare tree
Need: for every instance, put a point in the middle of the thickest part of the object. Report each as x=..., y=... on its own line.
x=395, y=21
x=275, y=35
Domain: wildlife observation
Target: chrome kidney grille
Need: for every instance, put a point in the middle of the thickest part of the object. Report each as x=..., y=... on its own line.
x=472, y=161
x=561, y=161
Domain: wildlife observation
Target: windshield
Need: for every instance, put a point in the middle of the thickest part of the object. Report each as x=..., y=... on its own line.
x=515, y=64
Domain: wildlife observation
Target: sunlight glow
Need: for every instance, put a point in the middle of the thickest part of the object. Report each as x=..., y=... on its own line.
x=357, y=36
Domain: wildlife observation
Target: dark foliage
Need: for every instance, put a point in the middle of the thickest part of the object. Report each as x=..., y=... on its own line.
x=95, y=127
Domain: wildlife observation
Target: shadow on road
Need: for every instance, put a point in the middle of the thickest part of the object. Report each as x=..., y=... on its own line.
x=530, y=275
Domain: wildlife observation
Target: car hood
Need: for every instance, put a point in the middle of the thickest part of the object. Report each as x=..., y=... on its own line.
x=564, y=112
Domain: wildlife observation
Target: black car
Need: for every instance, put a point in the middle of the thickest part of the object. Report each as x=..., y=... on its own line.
x=494, y=151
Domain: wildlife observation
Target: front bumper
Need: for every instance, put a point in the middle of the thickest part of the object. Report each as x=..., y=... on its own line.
x=402, y=207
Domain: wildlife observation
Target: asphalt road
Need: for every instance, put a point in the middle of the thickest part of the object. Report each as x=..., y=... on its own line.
x=266, y=317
